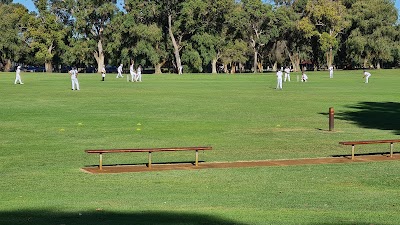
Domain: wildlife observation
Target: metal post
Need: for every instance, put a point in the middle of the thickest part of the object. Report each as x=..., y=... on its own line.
x=149, y=165
x=391, y=150
x=101, y=161
x=331, y=118
x=197, y=158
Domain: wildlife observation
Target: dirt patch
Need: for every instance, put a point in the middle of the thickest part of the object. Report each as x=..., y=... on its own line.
x=209, y=165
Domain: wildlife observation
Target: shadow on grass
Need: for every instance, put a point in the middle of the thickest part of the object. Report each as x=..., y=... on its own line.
x=365, y=154
x=48, y=217
x=373, y=115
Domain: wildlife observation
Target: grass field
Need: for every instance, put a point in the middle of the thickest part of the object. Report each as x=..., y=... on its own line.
x=45, y=128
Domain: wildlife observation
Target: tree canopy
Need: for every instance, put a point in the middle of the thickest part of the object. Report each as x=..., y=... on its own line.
x=201, y=35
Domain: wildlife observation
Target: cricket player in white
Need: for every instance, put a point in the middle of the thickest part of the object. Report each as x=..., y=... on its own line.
x=132, y=72
x=139, y=74
x=331, y=72
x=18, y=76
x=74, y=78
x=103, y=73
x=279, y=79
x=120, y=71
x=304, y=77
x=366, y=76
x=287, y=74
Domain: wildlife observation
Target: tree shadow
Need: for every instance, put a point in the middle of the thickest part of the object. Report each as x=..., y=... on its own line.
x=374, y=115
x=99, y=217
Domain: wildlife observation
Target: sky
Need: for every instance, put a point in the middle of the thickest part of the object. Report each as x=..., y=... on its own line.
x=31, y=7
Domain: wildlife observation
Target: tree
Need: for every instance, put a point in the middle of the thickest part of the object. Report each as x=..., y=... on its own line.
x=142, y=36
x=46, y=34
x=208, y=19
x=92, y=18
x=325, y=19
x=12, y=45
x=372, y=34
x=254, y=19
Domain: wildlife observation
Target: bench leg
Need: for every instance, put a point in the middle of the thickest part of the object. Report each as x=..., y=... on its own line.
x=352, y=152
x=391, y=150
x=101, y=161
x=149, y=164
x=197, y=158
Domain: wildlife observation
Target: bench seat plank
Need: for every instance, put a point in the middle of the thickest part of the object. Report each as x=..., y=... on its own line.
x=368, y=142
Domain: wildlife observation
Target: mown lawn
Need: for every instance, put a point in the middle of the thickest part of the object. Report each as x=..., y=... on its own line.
x=45, y=128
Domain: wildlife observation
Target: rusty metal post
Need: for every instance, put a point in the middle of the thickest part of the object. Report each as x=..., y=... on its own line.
x=331, y=119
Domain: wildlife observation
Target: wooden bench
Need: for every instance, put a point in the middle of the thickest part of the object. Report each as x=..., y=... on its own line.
x=149, y=150
x=353, y=143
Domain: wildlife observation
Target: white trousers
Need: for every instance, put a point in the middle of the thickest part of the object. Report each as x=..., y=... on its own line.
x=279, y=83
x=119, y=75
x=287, y=77
x=366, y=78
x=18, y=79
x=139, y=77
x=75, y=83
x=330, y=74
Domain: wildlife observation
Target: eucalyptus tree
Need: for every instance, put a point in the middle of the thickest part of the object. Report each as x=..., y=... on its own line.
x=293, y=42
x=325, y=20
x=92, y=18
x=255, y=19
x=207, y=21
x=372, y=33
x=46, y=34
x=13, y=18
x=142, y=33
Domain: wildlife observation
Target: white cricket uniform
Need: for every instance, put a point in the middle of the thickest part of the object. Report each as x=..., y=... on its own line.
x=304, y=77
x=331, y=72
x=279, y=80
x=18, y=76
x=103, y=73
x=139, y=74
x=132, y=72
x=74, y=79
x=287, y=74
x=120, y=72
x=366, y=75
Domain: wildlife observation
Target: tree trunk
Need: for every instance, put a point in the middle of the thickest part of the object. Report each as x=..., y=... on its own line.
x=255, y=64
x=99, y=56
x=275, y=66
x=176, y=47
x=378, y=65
x=7, y=66
x=260, y=66
x=365, y=63
x=214, y=65
x=158, y=66
x=48, y=67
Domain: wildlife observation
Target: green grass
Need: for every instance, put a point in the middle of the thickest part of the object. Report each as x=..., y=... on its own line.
x=45, y=128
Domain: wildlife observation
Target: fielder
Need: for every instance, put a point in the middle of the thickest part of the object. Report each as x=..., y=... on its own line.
x=304, y=77
x=287, y=74
x=74, y=79
x=139, y=74
x=279, y=79
x=366, y=76
x=103, y=73
x=120, y=71
x=18, y=76
x=331, y=72
x=132, y=73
